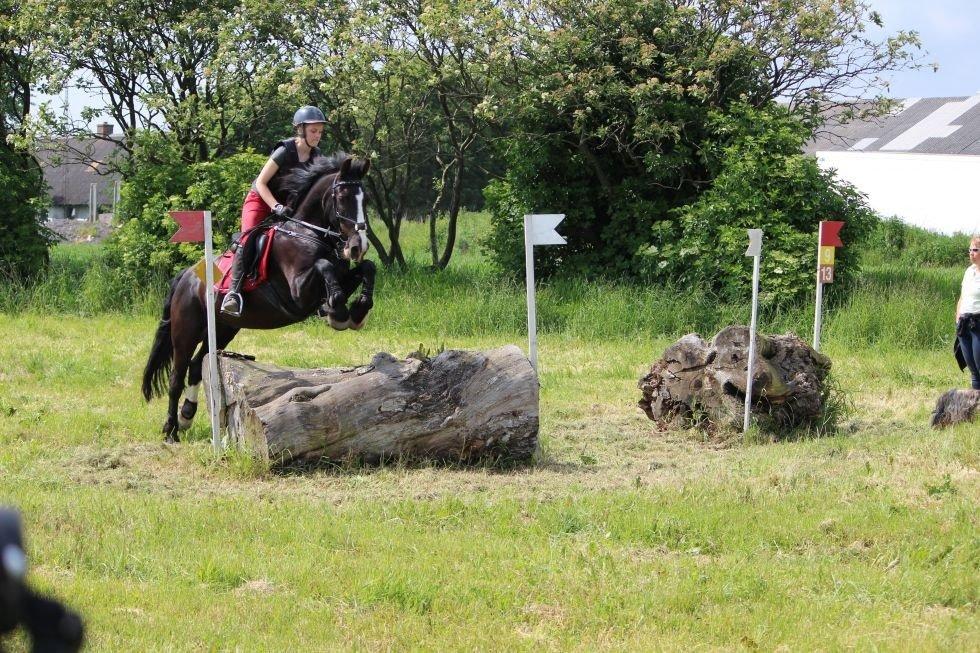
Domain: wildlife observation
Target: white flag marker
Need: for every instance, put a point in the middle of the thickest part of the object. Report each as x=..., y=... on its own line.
x=539, y=229
x=755, y=251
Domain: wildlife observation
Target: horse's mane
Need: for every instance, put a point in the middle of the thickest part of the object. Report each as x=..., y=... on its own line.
x=299, y=182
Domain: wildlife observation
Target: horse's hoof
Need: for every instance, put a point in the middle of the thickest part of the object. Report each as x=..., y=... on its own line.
x=359, y=311
x=170, y=431
x=186, y=415
x=338, y=324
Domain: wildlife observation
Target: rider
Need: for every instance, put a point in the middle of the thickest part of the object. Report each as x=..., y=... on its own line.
x=261, y=201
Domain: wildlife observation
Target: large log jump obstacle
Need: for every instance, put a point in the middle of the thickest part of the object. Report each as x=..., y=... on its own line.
x=460, y=406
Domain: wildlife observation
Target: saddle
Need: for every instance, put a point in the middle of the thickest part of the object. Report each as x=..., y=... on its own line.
x=258, y=268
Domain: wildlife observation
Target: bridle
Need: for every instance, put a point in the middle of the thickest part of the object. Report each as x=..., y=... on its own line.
x=359, y=222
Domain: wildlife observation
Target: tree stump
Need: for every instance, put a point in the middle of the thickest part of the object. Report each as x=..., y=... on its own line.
x=458, y=406
x=703, y=383
x=955, y=406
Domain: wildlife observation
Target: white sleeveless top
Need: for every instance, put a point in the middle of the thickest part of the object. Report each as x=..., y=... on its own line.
x=970, y=291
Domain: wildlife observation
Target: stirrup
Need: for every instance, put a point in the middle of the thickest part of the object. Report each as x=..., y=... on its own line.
x=232, y=304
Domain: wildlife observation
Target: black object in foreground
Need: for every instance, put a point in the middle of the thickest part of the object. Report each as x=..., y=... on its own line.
x=51, y=627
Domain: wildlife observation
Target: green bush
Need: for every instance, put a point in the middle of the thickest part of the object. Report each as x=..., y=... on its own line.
x=892, y=241
x=760, y=180
x=611, y=128
x=764, y=182
x=140, y=247
x=25, y=242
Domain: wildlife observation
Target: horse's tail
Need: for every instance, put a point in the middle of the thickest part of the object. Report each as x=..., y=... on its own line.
x=160, y=361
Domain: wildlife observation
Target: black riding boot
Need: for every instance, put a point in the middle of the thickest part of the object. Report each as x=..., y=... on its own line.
x=233, y=304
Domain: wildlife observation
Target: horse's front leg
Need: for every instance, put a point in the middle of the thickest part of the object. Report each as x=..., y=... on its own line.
x=362, y=274
x=335, y=305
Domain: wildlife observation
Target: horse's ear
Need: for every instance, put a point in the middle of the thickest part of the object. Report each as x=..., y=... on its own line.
x=345, y=168
x=359, y=168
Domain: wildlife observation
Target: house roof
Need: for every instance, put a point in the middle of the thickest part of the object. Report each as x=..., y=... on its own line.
x=941, y=125
x=72, y=165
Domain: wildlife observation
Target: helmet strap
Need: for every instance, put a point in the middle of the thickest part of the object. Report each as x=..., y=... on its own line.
x=302, y=134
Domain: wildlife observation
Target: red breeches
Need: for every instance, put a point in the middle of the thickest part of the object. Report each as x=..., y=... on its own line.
x=254, y=210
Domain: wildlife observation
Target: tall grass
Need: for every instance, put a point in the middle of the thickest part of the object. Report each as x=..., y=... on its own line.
x=897, y=303
x=79, y=282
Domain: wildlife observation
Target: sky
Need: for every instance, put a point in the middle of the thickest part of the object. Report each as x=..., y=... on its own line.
x=948, y=30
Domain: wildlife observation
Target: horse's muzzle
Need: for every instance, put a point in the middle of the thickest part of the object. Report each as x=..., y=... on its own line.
x=356, y=247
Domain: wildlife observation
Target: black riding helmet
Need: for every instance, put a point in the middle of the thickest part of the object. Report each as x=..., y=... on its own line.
x=305, y=116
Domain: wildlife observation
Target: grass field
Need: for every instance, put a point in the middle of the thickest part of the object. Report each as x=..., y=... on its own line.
x=619, y=537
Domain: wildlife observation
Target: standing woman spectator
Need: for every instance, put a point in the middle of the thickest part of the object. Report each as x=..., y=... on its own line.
x=968, y=314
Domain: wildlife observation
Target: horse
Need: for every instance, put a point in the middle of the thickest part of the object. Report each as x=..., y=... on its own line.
x=309, y=271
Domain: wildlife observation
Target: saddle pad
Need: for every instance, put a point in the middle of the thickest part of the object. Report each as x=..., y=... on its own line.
x=261, y=270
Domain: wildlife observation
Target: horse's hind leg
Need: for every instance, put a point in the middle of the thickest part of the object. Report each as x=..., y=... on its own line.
x=188, y=409
x=183, y=349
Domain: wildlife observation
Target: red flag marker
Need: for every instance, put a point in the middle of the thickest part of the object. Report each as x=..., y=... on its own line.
x=190, y=226
x=830, y=233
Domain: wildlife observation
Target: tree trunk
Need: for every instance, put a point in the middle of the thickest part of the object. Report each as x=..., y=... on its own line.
x=700, y=382
x=459, y=406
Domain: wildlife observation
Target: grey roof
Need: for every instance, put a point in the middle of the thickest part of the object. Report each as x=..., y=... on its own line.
x=942, y=125
x=72, y=165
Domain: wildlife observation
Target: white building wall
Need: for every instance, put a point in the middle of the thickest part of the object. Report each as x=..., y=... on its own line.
x=936, y=191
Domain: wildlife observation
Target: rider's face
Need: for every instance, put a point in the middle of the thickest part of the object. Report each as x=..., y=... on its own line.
x=314, y=132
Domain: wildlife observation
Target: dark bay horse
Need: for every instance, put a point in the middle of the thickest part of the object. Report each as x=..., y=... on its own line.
x=315, y=264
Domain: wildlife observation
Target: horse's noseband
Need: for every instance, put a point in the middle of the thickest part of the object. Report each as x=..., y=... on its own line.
x=360, y=223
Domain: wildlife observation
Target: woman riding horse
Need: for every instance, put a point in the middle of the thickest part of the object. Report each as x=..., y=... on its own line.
x=287, y=156
x=315, y=263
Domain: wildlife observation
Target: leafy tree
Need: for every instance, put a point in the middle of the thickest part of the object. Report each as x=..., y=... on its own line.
x=764, y=183
x=24, y=247
x=464, y=48
x=408, y=84
x=377, y=103
x=618, y=112
x=610, y=126
x=194, y=72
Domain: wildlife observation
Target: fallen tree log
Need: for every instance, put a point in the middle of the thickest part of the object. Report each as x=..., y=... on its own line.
x=703, y=383
x=955, y=406
x=457, y=406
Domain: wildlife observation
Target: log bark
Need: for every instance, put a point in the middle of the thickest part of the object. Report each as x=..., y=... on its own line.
x=703, y=383
x=955, y=406
x=458, y=406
